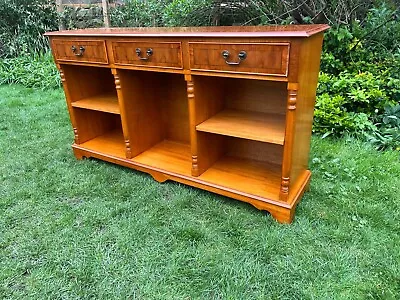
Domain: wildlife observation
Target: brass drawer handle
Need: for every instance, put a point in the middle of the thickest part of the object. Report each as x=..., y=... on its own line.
x=242, y=56
x=81, y=50
x=149, y=53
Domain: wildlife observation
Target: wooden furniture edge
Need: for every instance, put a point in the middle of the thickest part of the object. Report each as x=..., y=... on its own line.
x=290, y=31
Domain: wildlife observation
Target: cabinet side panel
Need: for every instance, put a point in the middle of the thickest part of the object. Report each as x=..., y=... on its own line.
x=309, y=61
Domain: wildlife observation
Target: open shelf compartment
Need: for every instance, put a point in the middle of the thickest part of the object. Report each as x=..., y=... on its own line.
x=249, y=109
x=105, y=103
x=263, y=127
x=91, y=88
x=157, y=107
x=244, y=166
x=100, y=132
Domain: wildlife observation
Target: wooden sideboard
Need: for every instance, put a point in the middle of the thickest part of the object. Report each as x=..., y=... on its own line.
x=225, y=109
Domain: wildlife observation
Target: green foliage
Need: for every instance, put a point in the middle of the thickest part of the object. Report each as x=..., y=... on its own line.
x=186, y=12
x=331, y=117
x=353, y=104
x=138, y=13
x=380, y=30
x=371, y=45
x=363, y=92
x=36, y=71
x=22, y=25
x=360, y=78
x=82, y=17
x=388, y=134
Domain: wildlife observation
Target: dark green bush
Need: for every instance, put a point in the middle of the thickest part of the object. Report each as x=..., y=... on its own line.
x=360, y=78
x=82, y=17
x=187, y=13
x=387, y=134
x=22, y=24
x=138, y=13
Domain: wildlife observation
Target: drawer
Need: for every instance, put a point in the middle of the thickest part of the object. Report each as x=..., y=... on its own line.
x=90, y=51
x=244, y=58
x=151, y=54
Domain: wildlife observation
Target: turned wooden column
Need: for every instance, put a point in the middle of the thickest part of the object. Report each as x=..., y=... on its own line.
x=69, y=100
x=124, y=122
x=192, y=124
x=289, y=136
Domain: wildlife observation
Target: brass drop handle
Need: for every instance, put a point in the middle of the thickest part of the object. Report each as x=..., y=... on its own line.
x=242, y=56
x=81, y=50
x=149, y=53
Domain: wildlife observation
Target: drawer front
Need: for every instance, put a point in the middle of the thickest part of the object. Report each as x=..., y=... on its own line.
x=245, y=58
x=150, y=54
x=80, y=51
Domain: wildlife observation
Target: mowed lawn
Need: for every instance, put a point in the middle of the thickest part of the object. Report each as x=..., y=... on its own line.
x=88, y=229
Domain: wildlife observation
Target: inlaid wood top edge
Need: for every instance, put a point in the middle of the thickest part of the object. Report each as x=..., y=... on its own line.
x=212, y=31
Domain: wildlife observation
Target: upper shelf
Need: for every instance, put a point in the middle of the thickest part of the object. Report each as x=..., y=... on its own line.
x=254, y=126
x=212, y=31
x=105, y=103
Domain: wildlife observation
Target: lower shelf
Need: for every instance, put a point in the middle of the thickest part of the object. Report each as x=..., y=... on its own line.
x=247, y=176
x=110, y=143
x=235, y=174
x=167, y=155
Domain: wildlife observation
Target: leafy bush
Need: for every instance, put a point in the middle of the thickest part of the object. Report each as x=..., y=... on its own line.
x=360, y=78
x=22, y=24
x=364, y=92
x=357, y=104
x=331, y=118
x=138, y=13
x=186, y=13
x=82, y=17
x=36, y=71
x=387, y=135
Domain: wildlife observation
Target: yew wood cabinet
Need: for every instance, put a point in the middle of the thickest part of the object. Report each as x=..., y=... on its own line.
x=224, y=109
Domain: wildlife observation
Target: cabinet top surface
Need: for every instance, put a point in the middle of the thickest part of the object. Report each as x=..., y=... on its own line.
x=228, y=31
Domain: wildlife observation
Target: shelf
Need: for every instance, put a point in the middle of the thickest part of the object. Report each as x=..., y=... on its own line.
x=105, y=103
x=168, y=155
x=254, y=126
x=244, y=175
x=111, y=143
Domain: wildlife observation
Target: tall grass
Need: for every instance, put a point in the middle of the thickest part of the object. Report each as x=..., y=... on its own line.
x=34, y=71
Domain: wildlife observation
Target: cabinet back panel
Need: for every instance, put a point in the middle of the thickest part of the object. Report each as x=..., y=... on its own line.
x=93, y=123
x=84, y=82
x=256, y=95
x=173, y=104
x=259, y=151
x=141, y=110
x=156, y=106
x=209, y=95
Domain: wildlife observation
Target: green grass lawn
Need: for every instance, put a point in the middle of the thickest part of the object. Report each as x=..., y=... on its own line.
x=88, y=229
